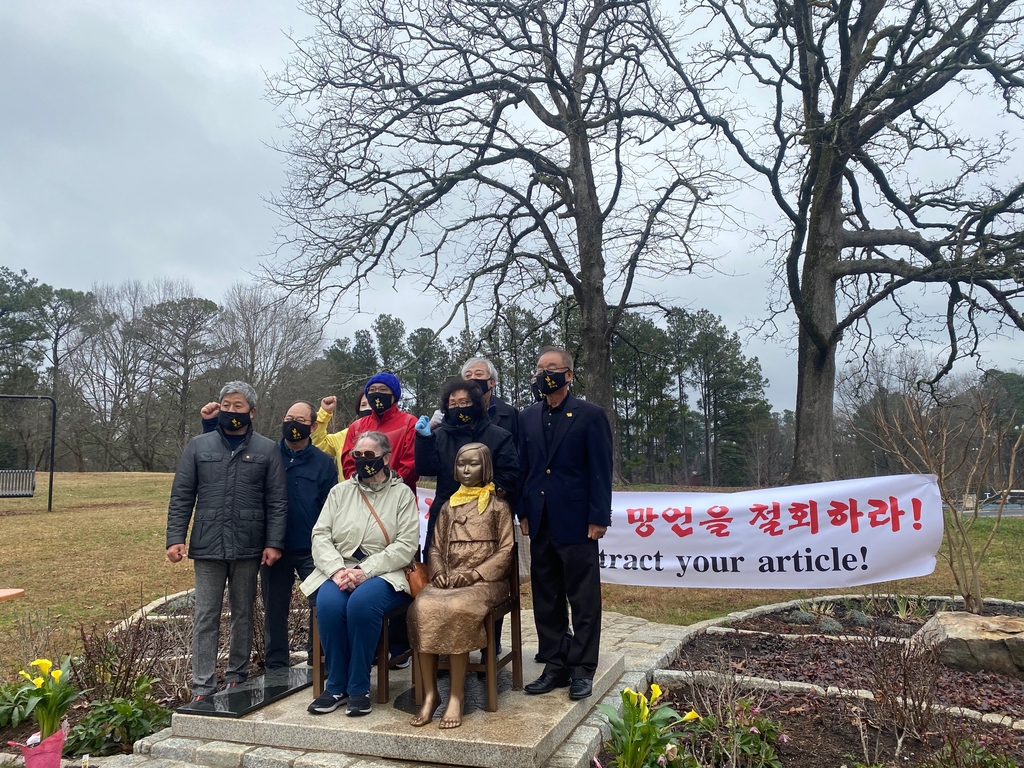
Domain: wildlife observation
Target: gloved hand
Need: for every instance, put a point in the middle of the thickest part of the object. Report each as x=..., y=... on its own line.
x=423, y=426
x=437, y=419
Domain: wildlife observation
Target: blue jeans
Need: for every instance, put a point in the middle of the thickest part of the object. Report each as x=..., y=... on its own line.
x=350, y=625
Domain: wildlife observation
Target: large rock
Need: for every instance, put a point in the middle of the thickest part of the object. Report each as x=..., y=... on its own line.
x=977, y=643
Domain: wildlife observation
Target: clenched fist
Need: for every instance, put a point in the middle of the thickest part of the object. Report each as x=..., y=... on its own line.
x=210, y=410
x=329, y=403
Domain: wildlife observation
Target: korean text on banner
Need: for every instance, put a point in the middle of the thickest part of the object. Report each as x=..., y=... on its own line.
x=837, y=534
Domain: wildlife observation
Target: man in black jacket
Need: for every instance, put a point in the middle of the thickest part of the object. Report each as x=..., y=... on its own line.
x=502, y=414
x=234, y=481
x=565, y=458
x=311, y=474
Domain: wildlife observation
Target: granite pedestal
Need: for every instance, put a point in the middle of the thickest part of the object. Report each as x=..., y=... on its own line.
x=525, y=731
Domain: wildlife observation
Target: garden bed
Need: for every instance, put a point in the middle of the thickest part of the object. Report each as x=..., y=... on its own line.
x=823, y=732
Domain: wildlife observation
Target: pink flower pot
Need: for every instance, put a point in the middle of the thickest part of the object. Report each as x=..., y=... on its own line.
x=46, y=754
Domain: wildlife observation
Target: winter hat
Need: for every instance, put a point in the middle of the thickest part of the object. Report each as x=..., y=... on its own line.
x=389, y=380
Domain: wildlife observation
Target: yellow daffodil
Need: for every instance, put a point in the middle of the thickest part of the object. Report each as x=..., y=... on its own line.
x=56, y=675
x=691, y=715
x=38, y=682
x=43, y=665
x=655, y=692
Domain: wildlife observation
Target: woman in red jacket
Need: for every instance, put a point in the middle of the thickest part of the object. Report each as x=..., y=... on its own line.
x=383, y=393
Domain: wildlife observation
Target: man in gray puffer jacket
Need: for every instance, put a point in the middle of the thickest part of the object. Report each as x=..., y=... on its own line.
x=235, y=481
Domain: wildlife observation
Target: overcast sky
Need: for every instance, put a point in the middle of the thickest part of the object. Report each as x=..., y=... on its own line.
x=134, y=144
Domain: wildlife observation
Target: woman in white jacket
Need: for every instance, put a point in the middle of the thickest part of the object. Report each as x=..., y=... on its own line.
x=367, y=532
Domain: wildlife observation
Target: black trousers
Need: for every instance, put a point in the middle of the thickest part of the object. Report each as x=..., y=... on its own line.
x=561, y=572
x=277, y=581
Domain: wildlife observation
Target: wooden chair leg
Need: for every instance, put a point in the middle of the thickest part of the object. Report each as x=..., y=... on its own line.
x=417, y=687
x=517, y=650
x=491, y=666
x=383, y=681
x=317, y=659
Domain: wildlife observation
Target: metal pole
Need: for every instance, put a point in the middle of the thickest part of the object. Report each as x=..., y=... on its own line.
x=53, y=436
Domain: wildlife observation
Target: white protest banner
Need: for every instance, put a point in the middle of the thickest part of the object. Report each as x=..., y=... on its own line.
x=839, y=534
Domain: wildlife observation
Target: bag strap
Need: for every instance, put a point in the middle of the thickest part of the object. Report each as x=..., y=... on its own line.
x=387, y=539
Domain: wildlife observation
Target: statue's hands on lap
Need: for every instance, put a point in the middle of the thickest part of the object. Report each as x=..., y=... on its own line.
x=440, y=580
x=464, y=578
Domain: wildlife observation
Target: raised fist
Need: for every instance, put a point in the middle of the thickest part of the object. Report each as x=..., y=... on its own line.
x=329, y=403
x=210, y=410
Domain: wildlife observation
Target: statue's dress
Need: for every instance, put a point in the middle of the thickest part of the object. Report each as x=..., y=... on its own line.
x=450, y=621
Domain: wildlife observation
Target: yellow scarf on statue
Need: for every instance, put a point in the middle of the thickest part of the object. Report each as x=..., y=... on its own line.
x=466, y=494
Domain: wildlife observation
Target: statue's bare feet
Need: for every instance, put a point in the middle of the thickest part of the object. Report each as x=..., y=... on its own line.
x=452, y=717
x=426, y=713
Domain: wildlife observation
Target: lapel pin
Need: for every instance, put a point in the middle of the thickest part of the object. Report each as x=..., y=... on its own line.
x=569, y=415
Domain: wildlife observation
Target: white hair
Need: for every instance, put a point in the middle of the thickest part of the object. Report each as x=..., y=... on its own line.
x=492, y=372
x=240, y=388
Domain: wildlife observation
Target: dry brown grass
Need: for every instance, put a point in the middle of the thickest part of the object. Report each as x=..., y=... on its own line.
x=102, y=548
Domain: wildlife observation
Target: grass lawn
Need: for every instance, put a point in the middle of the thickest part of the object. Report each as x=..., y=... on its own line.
x=102, y=549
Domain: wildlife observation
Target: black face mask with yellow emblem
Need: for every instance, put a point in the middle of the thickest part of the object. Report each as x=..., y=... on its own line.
x=380, y=402
x=369, y=467
x=295, y=431
x=550, y=381
x=461, y=416
x=232, y=422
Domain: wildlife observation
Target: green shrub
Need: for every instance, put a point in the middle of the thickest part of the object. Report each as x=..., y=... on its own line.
x=114, y=725
x=14, y=705
x=830, y=626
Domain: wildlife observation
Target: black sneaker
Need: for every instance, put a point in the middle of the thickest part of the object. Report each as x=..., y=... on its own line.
x=359, y=705
x=326, y=702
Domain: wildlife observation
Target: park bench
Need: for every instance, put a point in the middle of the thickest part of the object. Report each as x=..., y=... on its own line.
x=17, y=482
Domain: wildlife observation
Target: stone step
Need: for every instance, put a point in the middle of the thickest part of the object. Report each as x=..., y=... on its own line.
x=526, y=731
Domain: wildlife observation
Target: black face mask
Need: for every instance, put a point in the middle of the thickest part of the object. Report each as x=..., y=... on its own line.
x=295, y=431
x=484, y=384
x=364, y=412
x=461, y=416
x=537, y=394
x=549, y=381
x=233, y=421
x=380, y=402
x=369, y=467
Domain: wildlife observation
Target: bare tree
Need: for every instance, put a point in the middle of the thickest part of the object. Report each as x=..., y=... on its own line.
x=264, y=336
x=848, y=111
x=493, y=152
x=119, y=380
x=960, y=441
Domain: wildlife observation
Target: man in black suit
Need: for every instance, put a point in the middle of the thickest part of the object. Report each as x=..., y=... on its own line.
x=565, y=455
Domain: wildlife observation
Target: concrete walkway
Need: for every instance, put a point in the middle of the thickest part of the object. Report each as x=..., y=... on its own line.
x=642, y=646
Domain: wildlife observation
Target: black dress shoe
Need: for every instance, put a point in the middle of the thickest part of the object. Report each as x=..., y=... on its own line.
x=581, y=688
x=546, y=684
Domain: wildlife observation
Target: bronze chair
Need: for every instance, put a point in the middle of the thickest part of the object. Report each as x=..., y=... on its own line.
x=491, y=664
x=384, y=663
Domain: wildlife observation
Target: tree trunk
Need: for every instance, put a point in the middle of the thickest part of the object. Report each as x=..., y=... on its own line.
x=595, y=330
x=814, y=458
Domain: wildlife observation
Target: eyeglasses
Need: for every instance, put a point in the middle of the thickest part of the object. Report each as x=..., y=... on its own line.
x=366, y=455
x=561, y=369
x=300, y=420
x=460, y=404
x=379, y=389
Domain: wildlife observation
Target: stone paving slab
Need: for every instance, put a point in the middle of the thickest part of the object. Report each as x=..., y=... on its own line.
x=635, y=646
x=525, y=731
